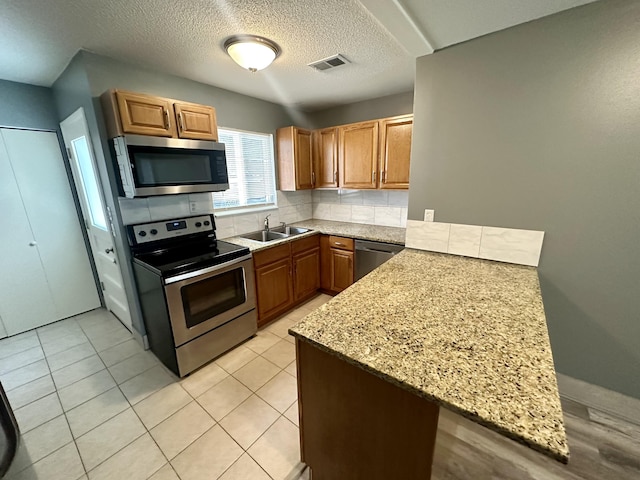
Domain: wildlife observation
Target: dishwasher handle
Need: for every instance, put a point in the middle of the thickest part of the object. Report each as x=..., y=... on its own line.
x=365, y=249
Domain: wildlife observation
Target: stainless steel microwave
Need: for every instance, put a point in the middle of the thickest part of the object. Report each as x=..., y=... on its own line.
x=165, y=166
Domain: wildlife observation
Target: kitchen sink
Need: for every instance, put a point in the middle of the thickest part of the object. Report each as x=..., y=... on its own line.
x=264, y=236
x=287, y=230
x=275, y=233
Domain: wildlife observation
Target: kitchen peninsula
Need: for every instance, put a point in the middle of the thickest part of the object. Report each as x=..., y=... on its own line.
x=424, y=331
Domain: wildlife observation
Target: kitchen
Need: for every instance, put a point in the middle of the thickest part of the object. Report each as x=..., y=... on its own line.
x=576, y=276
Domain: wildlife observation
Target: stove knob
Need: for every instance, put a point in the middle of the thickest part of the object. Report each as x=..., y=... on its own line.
x=207, y=223
x=142, y=233
x=198, y=224
x=153, y=231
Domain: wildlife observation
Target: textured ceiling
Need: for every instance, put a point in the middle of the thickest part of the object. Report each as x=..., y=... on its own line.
x=185, y=38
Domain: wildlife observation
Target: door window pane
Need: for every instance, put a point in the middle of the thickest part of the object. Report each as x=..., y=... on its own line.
x=89, y=182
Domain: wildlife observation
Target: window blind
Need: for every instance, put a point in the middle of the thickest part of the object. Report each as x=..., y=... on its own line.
x=251, y=170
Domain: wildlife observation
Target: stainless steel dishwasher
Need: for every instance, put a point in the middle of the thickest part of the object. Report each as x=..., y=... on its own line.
x=370, y=255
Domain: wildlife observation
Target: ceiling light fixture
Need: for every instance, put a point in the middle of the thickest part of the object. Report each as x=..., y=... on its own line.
x=251, y=52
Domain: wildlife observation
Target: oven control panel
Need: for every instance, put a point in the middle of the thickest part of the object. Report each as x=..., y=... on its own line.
x=151, y=232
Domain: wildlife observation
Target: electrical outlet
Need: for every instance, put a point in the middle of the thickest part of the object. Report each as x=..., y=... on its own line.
x=428, y=215
x=193, y=207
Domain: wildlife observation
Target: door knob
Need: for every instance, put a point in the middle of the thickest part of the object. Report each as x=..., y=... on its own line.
x=108, y=250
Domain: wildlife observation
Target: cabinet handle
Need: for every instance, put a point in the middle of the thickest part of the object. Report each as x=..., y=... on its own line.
x=313, y=178
x=340, y=244
x=166, y=119
x=373, y=177
x=180, y=122
x=383, y=176
x=108, y=250
x=33, y=243
x=335, y=177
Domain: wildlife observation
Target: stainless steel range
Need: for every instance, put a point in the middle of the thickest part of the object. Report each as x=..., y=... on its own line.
x=197, y=293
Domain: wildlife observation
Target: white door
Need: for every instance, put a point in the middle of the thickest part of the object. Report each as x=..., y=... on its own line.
x=87, y=181
x=46, y=271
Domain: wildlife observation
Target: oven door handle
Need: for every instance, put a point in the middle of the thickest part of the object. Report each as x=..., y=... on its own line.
x=185, y=276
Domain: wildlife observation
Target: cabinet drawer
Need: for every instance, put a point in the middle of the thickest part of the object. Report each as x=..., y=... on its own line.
x=342, y=243
x=270, y=255
x=303, y=244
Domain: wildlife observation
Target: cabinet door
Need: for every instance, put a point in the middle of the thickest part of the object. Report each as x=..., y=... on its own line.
x=326, y=158
x=303, y=159
x=146, y=114
x=341, y=269
x=306, y=273
x=274, y=289
x=395, y=151
x=358, y=155
x=196, y=121
x=295, y=163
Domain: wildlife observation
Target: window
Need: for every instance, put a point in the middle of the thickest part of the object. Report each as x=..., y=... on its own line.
x=251, y=169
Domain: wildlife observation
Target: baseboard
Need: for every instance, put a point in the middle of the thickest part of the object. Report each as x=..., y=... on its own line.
x=614, y=403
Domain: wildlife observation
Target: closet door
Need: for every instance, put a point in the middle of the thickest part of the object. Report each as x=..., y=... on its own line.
x=46, y=193
x=25, y=299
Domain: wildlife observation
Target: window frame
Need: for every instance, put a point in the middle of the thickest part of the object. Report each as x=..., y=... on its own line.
x=224, y=211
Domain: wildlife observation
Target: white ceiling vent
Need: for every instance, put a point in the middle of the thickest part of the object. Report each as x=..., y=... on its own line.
x=329, y=62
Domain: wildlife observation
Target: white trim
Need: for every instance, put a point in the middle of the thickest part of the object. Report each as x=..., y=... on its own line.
x=594, y=396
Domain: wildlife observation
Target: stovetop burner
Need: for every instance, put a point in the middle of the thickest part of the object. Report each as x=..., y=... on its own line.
x=181, y=245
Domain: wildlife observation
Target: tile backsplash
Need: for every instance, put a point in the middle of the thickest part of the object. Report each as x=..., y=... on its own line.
x=490, y=243
x=376, y=207
x=292, y=207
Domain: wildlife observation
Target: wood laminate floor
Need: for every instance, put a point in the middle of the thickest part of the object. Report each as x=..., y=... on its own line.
x=602, y=448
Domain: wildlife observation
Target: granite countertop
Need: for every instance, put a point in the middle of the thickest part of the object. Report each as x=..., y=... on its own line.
x=354, y=230
x=467, y=334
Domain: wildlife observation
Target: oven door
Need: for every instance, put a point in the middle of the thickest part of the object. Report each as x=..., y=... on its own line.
x=203, y=300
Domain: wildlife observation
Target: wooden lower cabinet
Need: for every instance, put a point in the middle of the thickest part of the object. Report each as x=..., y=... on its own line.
x=337, y=263
x=286, y=275
x=355, y=425
x=275, y=292
x=342, y=269
x=305, y=255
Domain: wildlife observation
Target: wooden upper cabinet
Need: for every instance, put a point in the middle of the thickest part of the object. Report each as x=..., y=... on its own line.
x=141, y=114
x=145, y=114
x=295, y=163
x=195, y=121
x=325, y=155
x=358, y=155
x=395, y=151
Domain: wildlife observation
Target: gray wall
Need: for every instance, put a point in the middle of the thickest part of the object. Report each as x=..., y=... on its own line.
x=26, y=106
x=538, y=127
x=233, y=110
x=389, y=106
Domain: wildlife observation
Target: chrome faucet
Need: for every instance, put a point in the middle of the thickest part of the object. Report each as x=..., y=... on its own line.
x=266, y=223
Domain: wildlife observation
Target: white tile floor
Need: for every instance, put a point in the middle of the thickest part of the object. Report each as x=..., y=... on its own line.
x=92, y=404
